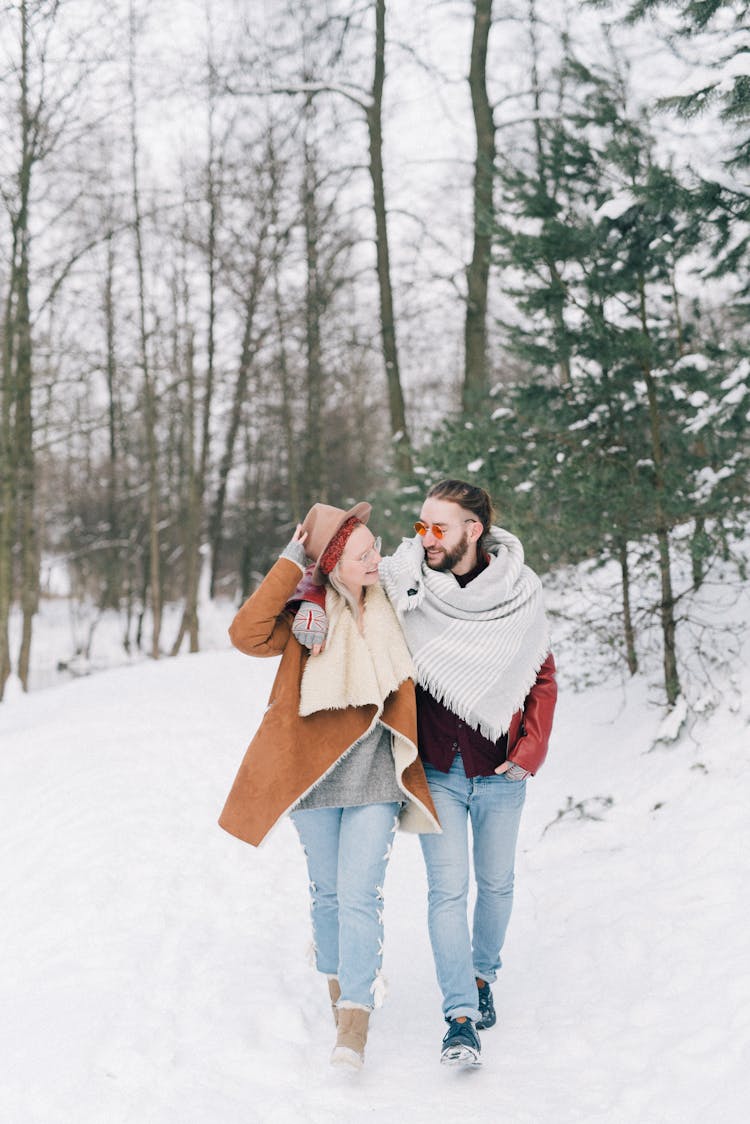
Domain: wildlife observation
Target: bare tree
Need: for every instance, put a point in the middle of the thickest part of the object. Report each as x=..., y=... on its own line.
x=476, y=376
x=314, y=474
x=251, y=275
x=149, y=390
x=41, y=112
x=296, y=500
x=557, y=284
x=399, y=429
x=17, y=515
x=198, y=471
x=370, y=102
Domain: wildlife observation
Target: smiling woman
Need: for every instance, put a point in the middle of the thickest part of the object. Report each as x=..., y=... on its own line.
x=336, y=748
x=357, y=570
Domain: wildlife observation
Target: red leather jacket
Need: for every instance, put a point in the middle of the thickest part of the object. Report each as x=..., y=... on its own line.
x=530, y=727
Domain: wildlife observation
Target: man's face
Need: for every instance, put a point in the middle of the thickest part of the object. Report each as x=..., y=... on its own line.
x=460, y=532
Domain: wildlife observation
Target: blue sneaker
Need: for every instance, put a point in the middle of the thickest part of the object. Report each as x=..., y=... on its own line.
x=487, y=1016
x=461, y=1045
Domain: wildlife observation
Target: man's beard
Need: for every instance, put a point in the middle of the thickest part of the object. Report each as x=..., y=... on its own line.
x=450, y=558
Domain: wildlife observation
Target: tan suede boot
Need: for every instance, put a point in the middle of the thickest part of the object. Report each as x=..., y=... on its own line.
x=351, y=1038
x=334, y=991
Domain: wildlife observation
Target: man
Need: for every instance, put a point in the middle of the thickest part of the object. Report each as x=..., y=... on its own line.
x=474, y=620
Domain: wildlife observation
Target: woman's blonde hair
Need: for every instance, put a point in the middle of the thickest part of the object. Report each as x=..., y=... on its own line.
x=335, y=579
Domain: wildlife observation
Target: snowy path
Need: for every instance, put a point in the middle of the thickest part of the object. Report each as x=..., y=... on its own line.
x=154, y=970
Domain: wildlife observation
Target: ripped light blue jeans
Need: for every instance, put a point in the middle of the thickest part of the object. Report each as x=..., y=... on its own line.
x=494, y=805
x=347, y=852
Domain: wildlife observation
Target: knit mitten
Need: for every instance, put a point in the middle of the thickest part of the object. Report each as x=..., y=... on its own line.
x=516, y=773
x=310, y=624
x=295, y=552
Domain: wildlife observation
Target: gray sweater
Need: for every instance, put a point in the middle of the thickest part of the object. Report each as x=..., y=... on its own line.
x=364, y=775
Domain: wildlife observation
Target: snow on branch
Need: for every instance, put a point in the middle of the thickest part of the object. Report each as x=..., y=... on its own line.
x=527, y=118
x=619, y=205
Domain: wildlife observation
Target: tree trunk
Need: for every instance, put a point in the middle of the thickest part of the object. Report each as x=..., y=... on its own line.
x=25, y=469
x=287, y=416
x=699, y=546
x=399, y=429
x=666, y=608
x=113, y=580
x=22, y=444
x=191, y=539
x=557, y=285
x=627, y=614
x=149, y=395
x=194, y=517
x=476, y=372
x=314, y=474
x=199, y=473
x=252, y=499
x=235, y=419
x=669, y=627
x=7, y=489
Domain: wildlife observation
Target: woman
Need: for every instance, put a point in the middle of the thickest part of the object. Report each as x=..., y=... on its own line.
x=337, y=749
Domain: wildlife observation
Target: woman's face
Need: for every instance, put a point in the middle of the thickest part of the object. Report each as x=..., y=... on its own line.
x=359, y=563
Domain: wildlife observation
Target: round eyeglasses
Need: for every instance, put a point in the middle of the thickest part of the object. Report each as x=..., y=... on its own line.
x=371, y=552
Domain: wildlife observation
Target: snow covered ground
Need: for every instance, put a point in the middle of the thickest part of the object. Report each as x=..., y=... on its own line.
x=155, y=970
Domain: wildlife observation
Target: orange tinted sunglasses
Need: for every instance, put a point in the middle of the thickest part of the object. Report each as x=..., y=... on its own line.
x=423, y=528
x=438, y=531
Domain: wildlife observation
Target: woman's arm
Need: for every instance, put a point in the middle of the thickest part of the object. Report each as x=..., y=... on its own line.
x=262, y=626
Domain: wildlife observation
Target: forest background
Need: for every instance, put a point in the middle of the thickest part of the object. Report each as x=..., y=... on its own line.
x=255, y=255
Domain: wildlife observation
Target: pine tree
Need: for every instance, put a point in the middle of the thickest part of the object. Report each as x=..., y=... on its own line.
x=604, y=448
x=714, y=32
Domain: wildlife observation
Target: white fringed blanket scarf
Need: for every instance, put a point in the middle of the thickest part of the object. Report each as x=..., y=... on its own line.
x=478, y=649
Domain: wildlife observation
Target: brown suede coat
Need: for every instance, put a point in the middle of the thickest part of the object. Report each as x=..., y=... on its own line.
x=289, y=754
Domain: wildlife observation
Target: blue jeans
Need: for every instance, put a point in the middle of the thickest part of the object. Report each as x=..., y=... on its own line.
x=347, y=853
x=494, y=805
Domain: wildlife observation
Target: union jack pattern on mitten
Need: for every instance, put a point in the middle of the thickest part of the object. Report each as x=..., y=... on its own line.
x=310, y=624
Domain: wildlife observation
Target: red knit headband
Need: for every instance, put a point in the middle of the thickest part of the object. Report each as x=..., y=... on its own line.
x=335, y=548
